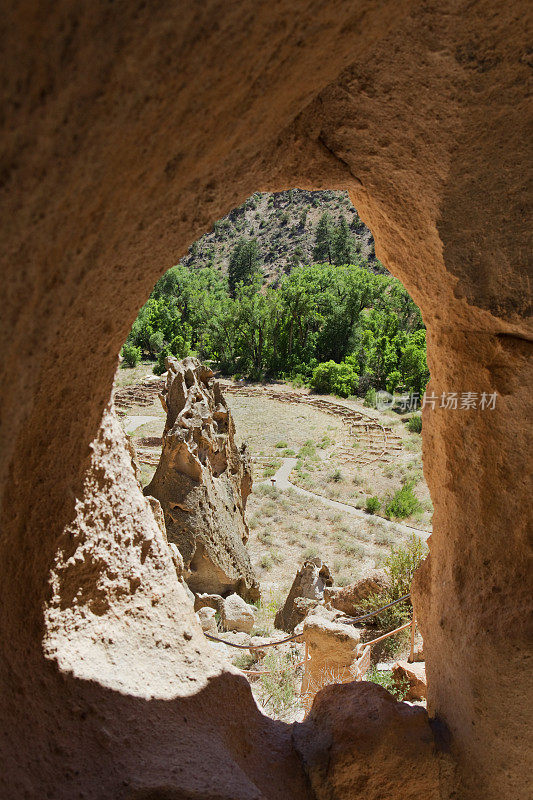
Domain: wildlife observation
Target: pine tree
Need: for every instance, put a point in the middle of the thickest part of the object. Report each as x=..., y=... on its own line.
x=322, y=250
x=243, y=264
x=343, y=245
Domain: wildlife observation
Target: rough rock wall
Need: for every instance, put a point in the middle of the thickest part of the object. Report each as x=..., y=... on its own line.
x=364, y=744
x=203, y=481
x=128, y=699
x=129, y=128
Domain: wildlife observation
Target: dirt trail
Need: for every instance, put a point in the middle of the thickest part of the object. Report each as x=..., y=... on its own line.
x=281, y=481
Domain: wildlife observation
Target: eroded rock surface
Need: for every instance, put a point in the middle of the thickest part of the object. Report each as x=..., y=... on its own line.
x=202, y=482
x=348, y=598
x=309, y=584
x=332, y=649
x=237, y=615
x=414, y=676
x=359, y=742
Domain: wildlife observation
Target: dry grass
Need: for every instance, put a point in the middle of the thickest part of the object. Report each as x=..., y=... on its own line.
x=284, y=527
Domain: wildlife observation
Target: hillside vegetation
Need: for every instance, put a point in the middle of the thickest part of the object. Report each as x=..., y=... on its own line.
x=284, y=226
x=323, y=312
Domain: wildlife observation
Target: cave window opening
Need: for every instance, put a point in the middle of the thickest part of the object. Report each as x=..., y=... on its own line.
x=320, y=356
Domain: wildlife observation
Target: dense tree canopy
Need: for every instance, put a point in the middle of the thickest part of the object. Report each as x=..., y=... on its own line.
x=339, y=327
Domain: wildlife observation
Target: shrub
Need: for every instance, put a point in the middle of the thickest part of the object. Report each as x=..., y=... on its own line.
x=393, y=381
x=404, y=503
x=156, y=341
x=372, y=505
x=402, y=564
x=414, y=425
x=370, y=398
x=245, y=660
x=131, y=355
x=266, y=562
x=281, y=445
x=383, y=677
x=344, y=580
x=308, y=450
x=354, y=549
x=336, y=476
x=271, y=468
x=179, y=348
x=399, y=567
x=384, y=538
x=332, y=378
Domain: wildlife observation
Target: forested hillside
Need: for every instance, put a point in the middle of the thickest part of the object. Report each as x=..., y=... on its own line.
x=283, y=224
x=323, y=311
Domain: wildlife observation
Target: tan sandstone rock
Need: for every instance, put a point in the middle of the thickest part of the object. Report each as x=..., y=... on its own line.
x=348, y=598
x=202, y=600
x=412, y=674
x=202, y=482
x=309, y=584
x=359, y=742
x=237, y=615
x=207, y=619
x=332, y=653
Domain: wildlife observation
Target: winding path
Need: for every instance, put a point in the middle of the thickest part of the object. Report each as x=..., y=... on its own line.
x=282, y=481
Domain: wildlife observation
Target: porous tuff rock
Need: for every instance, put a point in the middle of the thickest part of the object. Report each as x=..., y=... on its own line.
x=207, y=619
x=237, y=615
x=105, y=592
x=332, y=650
x=415, y=676
x=203, y=481
x=348, y=598
x=203, y=600
x=125, y=666
x=309, y=583
x=128, y=130
x=359, y=742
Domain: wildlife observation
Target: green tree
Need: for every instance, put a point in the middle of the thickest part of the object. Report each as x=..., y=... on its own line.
x=131, y=355
x=343, y=244
x=332, y=378
x=413, y=363
x=323, y=248
x=243, y=264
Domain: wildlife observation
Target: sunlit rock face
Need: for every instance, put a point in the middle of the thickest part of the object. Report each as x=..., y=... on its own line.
x=203, y=481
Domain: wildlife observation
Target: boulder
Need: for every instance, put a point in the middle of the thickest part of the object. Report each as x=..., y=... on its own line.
x=309, y=583
x=203, y=600
x=207, y=619
x=358, y=741
x=348, y=598
x=237, y=615
x=332, y=650
x=415, y=675
x=202, y=482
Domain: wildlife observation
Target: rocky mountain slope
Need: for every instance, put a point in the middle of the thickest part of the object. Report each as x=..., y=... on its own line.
x=284, y=225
